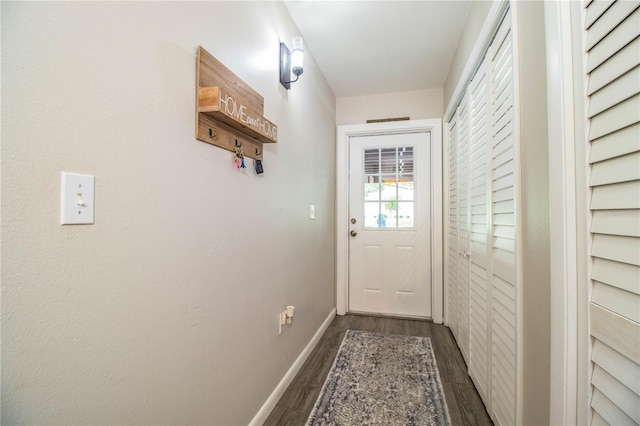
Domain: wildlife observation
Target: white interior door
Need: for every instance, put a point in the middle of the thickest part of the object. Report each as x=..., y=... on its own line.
x=390, y=236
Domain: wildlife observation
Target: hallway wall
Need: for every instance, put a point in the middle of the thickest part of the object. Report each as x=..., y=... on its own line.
x=419, y=104
x=165, y=310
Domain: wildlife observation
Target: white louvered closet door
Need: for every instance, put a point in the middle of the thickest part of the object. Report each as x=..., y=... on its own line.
x=613, y=67
x=479, y=296
x=482, y=231
x=464, y=174
x=504, y=286
x=452, y=255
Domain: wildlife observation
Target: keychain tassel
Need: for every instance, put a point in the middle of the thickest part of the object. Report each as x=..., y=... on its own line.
x=239, y=158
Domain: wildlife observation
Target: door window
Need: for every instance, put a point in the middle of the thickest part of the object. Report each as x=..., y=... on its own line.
x=389, y=194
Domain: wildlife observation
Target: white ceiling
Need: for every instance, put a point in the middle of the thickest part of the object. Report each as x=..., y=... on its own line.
x=367, y=47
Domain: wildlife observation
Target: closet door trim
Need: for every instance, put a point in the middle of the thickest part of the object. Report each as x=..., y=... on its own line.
x=569, y=218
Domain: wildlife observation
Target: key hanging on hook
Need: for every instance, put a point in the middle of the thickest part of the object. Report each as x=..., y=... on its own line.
x=239, y=157
x=258, y=165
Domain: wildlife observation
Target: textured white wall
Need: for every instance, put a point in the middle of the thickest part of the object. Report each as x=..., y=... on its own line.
x=419, y=104
x=165, y=310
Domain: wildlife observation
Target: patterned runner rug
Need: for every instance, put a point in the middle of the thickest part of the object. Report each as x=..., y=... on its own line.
x=382, y=379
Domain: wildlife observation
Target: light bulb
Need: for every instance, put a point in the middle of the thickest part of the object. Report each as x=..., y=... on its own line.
x=297, y=54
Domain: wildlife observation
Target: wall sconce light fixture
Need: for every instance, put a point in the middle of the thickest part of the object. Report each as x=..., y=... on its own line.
x=290, y=62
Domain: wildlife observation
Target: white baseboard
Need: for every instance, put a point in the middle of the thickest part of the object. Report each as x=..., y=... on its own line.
x=277, y=393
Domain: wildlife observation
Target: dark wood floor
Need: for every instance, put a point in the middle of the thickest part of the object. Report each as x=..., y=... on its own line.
x=465, y=405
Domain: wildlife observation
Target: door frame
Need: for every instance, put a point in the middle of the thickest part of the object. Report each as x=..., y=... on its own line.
x=434, y=126
x=570, y=216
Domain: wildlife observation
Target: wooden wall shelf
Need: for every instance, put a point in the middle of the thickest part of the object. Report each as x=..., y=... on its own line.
x=217, y=103
x=229, y=112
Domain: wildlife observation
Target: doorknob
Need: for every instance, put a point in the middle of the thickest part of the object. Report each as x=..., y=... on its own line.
x=353, y=220
x=353, y=233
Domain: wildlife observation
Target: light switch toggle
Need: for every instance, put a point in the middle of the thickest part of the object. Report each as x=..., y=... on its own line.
x=80, y=201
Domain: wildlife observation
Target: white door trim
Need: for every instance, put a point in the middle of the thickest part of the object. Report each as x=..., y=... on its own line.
x=342, y=204
x=569, y=214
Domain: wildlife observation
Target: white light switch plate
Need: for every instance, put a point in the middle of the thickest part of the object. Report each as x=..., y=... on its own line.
x=312, y=211
x=77, y=199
